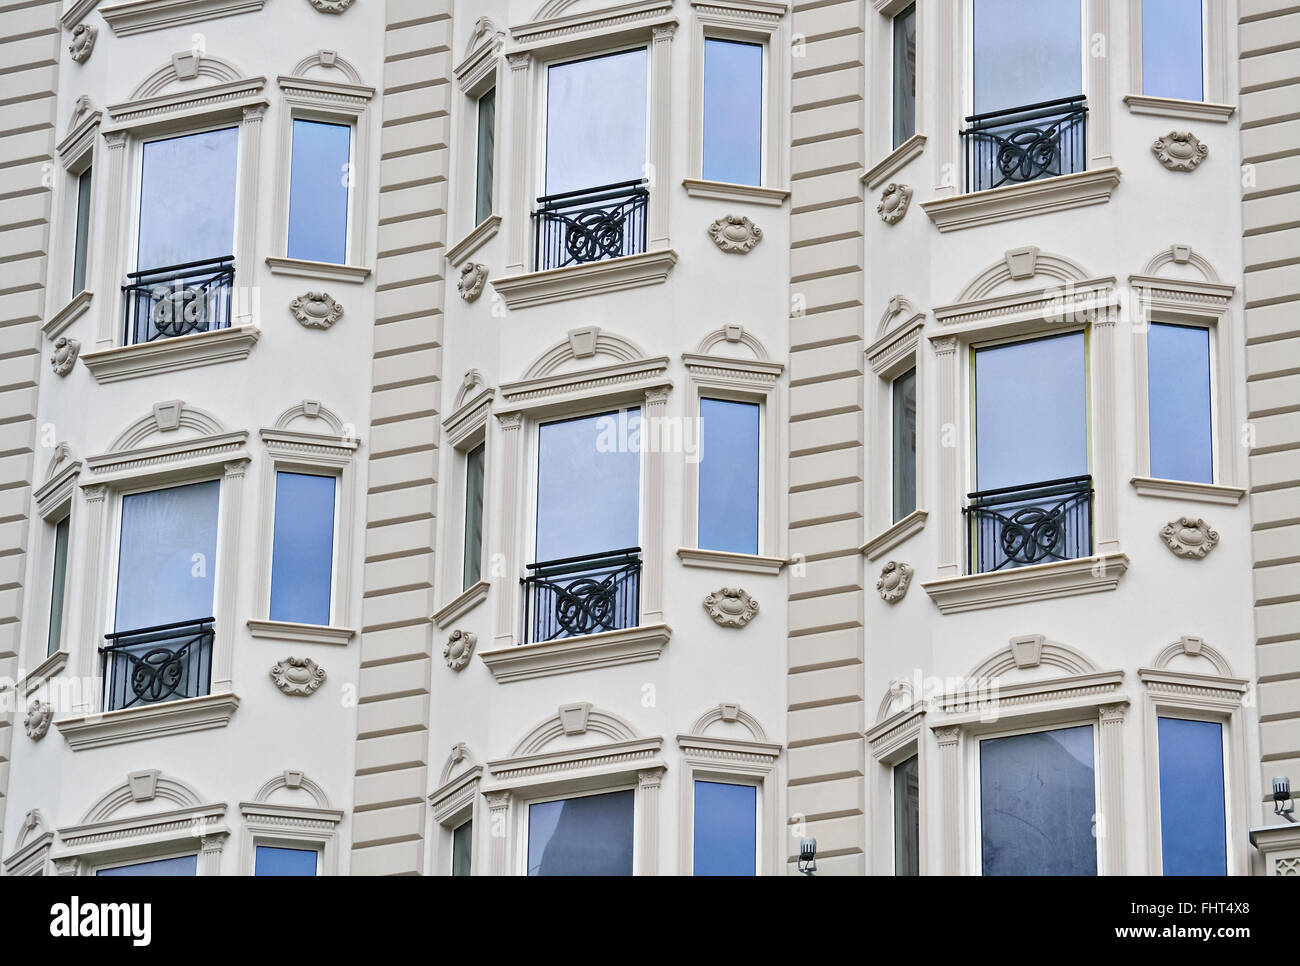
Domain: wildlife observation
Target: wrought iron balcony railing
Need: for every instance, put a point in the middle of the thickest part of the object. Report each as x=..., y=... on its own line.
x=1017, y=526
x=177, y=300
x=573, y=596
x=590, y=225
x=1026, y=143
x=154, y=664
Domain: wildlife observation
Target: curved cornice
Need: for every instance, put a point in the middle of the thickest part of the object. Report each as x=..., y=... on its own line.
x=215, y=68
x=142, y=787
x=292, y=779
x=730, y=713
x=733, y=335
x=328, y=60
x=584, y=343
x=1194, y=647
x=604, y=723
x=898, y=697
x=1032, y=651
x=310, y=409
x=1181, y=255
x=167, y=417
x=1018, y=264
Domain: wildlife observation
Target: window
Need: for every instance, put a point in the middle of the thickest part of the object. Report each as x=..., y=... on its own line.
x=904, y=75
x=487, y=109
x=187, y=199
x=596, y=121
x=733, y=111
x=592, y=835
x=1193, y=816
x=907, y=817
x=320, y=171
x=726, y=829
x=1037, y=803
x=903, y=421
x=1172, y=44
x=729, y=476
x=83, y=232
x=180, y=865
x=462, y=846
x=58, y=585
x=1178, y=399
x=302, y=558
x=473, y=560
x=274, y=860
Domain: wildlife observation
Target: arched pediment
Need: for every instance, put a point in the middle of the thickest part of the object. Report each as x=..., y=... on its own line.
x=327, y=65
x=1182, y=263
x=1030, y=653
x=33, y=827
x=733, y=341
x=190, y=69
x=899, y=311
x=1192, y=654
x=289, y=788
x=899, y=696
x=724, y=719
x=582, y=345
x=172, y=416
x=572, y=721
x=486, y=32
x=61, y=458
x=471, y=385
x=312, y=413
x=460, y=759
x=141, y=790
x=1021, y=268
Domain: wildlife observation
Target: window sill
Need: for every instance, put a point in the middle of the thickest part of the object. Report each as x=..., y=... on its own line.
x=481, y=234
x=726, y=191
x=750, y=563
x=1064, y=578
x=894, y=161
x=140, y=16
x=63, y=318
x=1042, y=197
x=171, y=355
x=300, y=633
x=1182, y=490
x=47, y=669
x=609, y=649
x=463, y=603
x=151, y=721
x=891, y=537
x=1179, y=110
x=352, y=274
x=579, y=281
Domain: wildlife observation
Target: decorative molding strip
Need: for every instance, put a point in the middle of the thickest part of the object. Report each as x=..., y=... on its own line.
x=63, y=318
x=1062, y=193
x=1065, y=578
x=300, y=633
x=462, y=604
x=890, y=538
x=302, y=268
x=1179, y=109
x=725, y=191
x=1088, y=689
x=634, y=376
x=895, y=161
x=43, y=672
x=1074, y=300
x=456, y=794
x=633, y=754
x=526, y=661
x=479, y=236
x=140, y=16
x=723, y=560
x=226, y=97
x=151, y=721
x=77, y=12
x=895, y=345
x=895, y=732
x=172, y=355
x=641, y=15
x=1180, y=490
x=591, y=278
x=221, y=448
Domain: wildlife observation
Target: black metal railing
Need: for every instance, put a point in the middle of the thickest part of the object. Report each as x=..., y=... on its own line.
x=1017, y=526
x=590, y=225
x=161, y=663
x=1026, y=143
x=582, y=595
x=162, y=303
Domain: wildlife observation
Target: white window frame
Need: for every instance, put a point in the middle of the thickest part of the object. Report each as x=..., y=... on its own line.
x=897, y=736
x=329, y=102
x=79, y=150
x=293, y=449
x=467, y=426
x=968, y=27
x=122, y=863
x=479, y=72
x=523, y=815
x=1216, y=27
x=454, y=802
x=766, y=24
x=55, y=501
x=308, y=827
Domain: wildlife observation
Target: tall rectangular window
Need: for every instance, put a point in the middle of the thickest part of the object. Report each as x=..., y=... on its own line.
x=907, y=817
x=1026, y=52
x=728, y=506
x=1193, y=816
x=58, y=585
x=462, y=845
x=592, y=835
x=733, y=111
x=181, y=865
x=83, y=232
x=302, y=549
x=1037, y=802
x=274, y=860
x=487, y=112
x=1178, y=402
x=904, y=75
x=319, y=175
x=903, y=417
x=1172, y=36
x=596, y=121
x=187, y=199
x=473, y=559
x=725, y=829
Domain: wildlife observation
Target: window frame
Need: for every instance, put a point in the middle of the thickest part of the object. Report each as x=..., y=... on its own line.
x=893, y=72
x=55, y=501
x=312, y=827
x=725, y=779
x=78, y=151
x=897, y=736
x=527, y=801
x=480, y=71
x=968, y=88
x=466, y=427
x=1209, y=717
x=1216, y=28
x=123, y=863
x=893, y=448
x=335, y=478
x=350, y=216
x=455, y=801
x=261, y=841
x=893, y=809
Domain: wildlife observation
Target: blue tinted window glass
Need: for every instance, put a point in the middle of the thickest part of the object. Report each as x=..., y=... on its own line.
x=1030, y=412
x=187, y=199
x=582, y=836
x=1193, y=826
x=1171, y=49
x=318, y=191
x=1037, y=804
x=595, y=121
x=733, y=111
x=181, y=865
x=725, y=817
x=167, y=560
x=728, y=476
x=272, y=860
x=1026, y=51
x=1178, y=396
x=302, y=555
x=588, y=485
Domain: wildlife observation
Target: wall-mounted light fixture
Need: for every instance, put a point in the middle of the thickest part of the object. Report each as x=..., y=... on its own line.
x=807, y=856
x=1283, y=803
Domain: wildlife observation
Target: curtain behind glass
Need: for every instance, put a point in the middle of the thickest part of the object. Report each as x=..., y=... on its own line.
x=582, y=836
x=187, y=199
x=1026, y=51
x=596, y=121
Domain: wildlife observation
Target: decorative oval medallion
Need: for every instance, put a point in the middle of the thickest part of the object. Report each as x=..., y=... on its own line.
x=731, y=607
x=735, y=234
x=473, y=275
x=1189, y=537
x=893, y=203
x=1180, y=150
x=331, y=6
x=299, y=676
x=316, y=310
x=64, y=355
x=894, y=580
x=459, y=649
x=39, y=715
x=83, y=42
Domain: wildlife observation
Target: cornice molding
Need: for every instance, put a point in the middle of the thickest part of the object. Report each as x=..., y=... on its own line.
x=1065, y=578
x=725, y=191
x=523, y=662
x=581, y=281
x=1179, y=109
x=151, y=721
x=1041, y=197
x=172, y=355
x=895, y=161
x=139, y=16
x=894, y=535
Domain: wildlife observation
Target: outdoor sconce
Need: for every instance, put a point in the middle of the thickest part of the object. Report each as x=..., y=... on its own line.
x=807, y=856
x=1283, y=803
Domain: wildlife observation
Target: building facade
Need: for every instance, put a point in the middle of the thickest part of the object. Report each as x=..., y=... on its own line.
x=492, y=438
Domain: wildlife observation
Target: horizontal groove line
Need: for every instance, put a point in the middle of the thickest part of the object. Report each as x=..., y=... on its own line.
x=823, y=628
